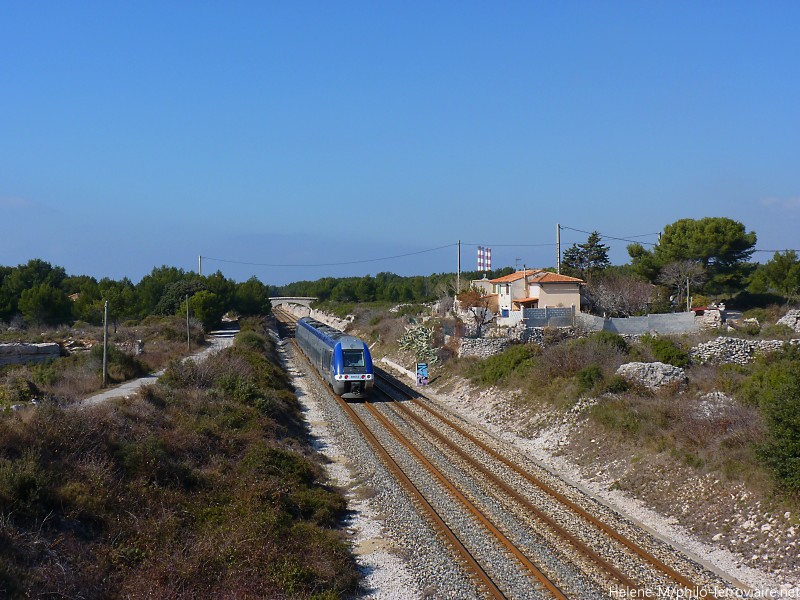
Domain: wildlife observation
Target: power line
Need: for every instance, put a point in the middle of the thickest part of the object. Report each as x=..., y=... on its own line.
x=630, y=238
x=611, y=237
x=779, y=251
x=334, y=264
x=509, y=245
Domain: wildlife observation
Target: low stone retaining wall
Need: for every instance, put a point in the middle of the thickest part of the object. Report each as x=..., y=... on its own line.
x=19, y=353
x=482, y=347
x=734, y=350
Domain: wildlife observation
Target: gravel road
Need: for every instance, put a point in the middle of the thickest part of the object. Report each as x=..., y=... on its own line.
x=217, y=341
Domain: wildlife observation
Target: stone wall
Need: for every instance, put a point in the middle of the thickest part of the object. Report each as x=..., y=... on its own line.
x=19, y=353
x=734, y=350
x=482, y=347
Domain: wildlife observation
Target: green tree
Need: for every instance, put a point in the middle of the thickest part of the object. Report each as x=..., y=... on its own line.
x=252, y=298
x=87, y=306
x=207, y=307
x=44, y=304
x=123, y=301
x=175, y=294
x=781, y=273
x=25, y=277
x=586, y=260
x=151, y=287
x=720, y=245
x=222, y=286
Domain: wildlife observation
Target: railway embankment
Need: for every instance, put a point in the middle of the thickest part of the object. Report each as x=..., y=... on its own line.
x=677, y=459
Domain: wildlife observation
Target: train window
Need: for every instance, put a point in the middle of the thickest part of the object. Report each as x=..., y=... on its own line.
x=353, y=358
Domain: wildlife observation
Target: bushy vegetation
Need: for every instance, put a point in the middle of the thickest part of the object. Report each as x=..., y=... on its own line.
x=383, y=287
x=203, y=486
x=500, y=366
x=774, y=387
x=666, y=350
x=73, y=377
x=41, y=294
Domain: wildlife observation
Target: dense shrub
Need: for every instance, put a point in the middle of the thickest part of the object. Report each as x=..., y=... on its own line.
x=588, y=377
x=203, y=486
x=251, y=341
x=666, y=351
x=775, y=388
x=617, y=385
x=121, y=366
x=614, y=340
x=500, y=366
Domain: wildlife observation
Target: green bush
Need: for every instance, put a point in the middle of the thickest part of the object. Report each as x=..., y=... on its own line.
x=617, y=385
x=611, y=339
x=588, y=377
x=500, y=366
x=666, y=351
x=251, y=340
x=775, y=388
x=121, y=366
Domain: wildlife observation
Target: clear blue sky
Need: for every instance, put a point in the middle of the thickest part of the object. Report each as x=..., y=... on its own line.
x=138, y=134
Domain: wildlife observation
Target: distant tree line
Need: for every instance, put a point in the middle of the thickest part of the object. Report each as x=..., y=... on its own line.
x=709, y=257
x=386, y=287
x=42, y=294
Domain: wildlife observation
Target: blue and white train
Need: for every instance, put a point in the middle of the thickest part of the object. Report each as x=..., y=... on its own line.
x=343, y=361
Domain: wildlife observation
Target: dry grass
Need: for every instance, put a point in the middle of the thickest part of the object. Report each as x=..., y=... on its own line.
x=204, y=486
x=74, y=377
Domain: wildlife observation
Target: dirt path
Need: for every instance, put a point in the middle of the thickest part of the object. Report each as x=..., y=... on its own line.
x=218, y=340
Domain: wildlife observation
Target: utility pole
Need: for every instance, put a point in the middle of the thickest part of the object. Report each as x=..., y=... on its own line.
x=199, y=265
x=558, y=248
x=105, y=344
x=458, y=272
x=188, y=337
x=688, y=301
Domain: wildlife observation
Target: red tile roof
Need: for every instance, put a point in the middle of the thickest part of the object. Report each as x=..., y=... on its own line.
x=548, y=277
x=514, y=276
x=537, y=276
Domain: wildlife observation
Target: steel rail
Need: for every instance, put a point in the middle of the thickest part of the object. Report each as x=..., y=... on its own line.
x=562, y=532
x=482, y=578
x=415, y=397
x=471, y=508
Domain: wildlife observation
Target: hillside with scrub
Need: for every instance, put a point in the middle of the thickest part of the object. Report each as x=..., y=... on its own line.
x=203, y=485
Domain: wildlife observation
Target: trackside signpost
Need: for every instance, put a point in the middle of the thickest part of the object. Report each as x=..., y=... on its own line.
x=422, y=373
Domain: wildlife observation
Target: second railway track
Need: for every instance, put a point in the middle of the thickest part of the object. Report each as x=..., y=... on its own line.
x=551, y=544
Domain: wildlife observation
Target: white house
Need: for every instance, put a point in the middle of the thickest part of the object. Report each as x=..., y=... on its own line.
x=532, y=288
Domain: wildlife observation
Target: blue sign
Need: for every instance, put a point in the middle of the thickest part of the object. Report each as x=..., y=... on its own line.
x=422, y=373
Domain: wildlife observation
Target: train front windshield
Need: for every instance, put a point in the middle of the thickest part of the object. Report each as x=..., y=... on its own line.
x=353, y=359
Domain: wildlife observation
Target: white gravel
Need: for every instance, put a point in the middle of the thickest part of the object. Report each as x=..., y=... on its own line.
x=491, y=413
x=387, y=575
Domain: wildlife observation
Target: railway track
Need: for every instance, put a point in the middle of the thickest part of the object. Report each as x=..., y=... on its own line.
x=554, y=542
x=477, y=573
x=585, y=532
